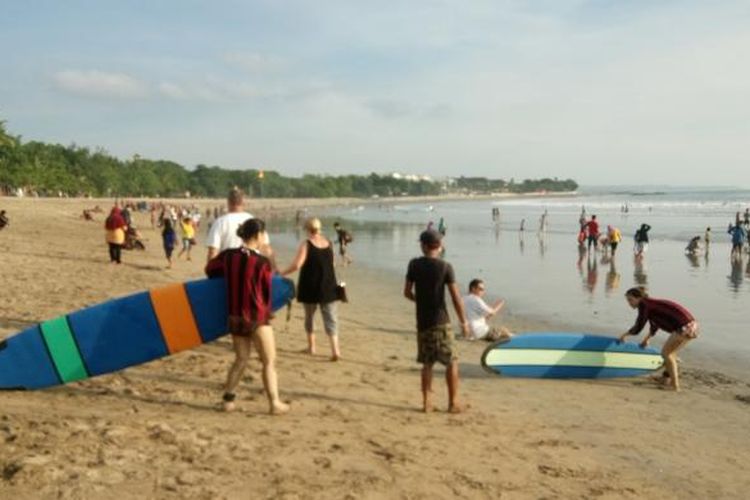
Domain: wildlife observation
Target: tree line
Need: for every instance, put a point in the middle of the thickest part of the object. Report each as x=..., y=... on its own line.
x=55, y=170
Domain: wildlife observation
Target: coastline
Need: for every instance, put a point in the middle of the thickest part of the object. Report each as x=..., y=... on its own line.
x=355, y=431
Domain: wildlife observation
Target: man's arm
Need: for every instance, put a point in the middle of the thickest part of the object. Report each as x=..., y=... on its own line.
x=458, y=305
x=409, y=291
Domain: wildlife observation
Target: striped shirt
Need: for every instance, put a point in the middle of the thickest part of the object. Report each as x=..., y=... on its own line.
x=659, y=313
x=248, y=278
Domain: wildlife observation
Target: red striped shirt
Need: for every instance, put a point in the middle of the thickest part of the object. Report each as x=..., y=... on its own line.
x=248, y=278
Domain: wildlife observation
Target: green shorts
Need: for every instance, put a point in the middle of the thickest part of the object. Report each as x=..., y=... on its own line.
x=436, y=345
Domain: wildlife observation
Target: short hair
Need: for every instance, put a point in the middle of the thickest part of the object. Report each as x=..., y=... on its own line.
x=638, y=292
x=251, y=228
x=313, y=225
x=236, y=197
x=475, y=283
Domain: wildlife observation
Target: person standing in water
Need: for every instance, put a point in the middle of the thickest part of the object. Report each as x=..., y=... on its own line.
x=668, y=316
x=593, y=232
x=641, y=241
x=442, y=228
x=427, y=277
x=615, y=237
x=248, y=288
x=738, y=238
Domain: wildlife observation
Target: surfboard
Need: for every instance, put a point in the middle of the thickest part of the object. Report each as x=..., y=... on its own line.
x=121, y=332
x=569, y=355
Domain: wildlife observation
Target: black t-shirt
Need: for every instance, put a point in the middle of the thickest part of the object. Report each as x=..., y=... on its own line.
x=430, y=276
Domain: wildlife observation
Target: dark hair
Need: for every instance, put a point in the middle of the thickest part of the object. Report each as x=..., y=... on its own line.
x=475, y=283
x=638, y=292
x=250, y=229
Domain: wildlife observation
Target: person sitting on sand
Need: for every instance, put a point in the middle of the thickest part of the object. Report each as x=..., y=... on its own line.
x=478, y=312
x=427, y=277
x=3, y=219
x=248, y=287
x=668, y=316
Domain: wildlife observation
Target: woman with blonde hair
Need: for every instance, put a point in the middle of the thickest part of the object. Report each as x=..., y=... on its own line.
x=317, y=284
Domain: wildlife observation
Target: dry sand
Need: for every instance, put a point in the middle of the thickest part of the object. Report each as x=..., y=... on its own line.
x=355, y=431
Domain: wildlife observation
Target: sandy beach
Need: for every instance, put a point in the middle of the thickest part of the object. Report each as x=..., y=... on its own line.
x=355, y=429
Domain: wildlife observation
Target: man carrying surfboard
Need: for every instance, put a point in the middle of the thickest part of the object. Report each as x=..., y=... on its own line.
x=426, y=280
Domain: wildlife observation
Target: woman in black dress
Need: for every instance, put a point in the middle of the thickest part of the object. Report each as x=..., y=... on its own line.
x=317, y=284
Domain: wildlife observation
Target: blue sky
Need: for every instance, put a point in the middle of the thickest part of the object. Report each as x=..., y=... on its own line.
x=602, y=91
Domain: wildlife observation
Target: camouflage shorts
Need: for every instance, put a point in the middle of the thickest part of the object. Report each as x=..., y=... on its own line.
x=436, y=345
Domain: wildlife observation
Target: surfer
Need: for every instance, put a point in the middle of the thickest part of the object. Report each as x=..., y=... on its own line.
x=426, y=280
x=668, y=316
x=478, y=312
x=317, y=284
x=248, y=283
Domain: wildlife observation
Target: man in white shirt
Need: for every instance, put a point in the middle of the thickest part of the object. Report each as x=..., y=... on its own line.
x=478, y=312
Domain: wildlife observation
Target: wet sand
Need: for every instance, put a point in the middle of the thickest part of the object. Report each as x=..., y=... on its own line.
x=355, y=430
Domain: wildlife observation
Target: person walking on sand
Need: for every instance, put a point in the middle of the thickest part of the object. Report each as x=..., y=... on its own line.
x=3, y=220
x=317, y=284
x=223, y=232
x=169, y=240
x=427, y=277
x=188, y=236
x=593, y=231
x=115, y=228
x=248, y=288
x=668, y=316
x=478, y=312
x=641, y=241
x=615, y=237
x=739, y=235
x=343, y=238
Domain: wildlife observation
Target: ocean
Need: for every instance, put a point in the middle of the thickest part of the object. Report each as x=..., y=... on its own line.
x=543, y=276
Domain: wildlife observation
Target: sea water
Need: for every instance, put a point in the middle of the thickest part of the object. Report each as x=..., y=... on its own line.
x=543, y=275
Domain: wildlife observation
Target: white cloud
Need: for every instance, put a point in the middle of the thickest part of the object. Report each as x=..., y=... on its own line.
x=94, y=83
x=173, y=91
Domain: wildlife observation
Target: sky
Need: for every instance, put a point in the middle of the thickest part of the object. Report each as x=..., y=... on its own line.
x=604, y=92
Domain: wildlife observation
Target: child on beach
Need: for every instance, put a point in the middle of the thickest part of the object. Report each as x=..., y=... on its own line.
x=426, y=280
x=668, y=316
x=169, y=239
x=478, y=312
x=188, y=236
x=248, y=285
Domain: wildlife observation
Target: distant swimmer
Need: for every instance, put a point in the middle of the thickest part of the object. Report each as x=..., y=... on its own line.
x=478, y=312
x=668, y=316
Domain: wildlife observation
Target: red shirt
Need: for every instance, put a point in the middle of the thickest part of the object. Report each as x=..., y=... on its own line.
x=664, y=314
x=593, y=228
x=248, y=277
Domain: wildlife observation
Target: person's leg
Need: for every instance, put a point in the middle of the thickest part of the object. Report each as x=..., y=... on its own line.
x=669, y=353
x=266, y=345
x=111, y=252
x=330, y=323
x=451, y=379
x=242, y=354
x=118, y=253
x=309, y=315
x=427, y=387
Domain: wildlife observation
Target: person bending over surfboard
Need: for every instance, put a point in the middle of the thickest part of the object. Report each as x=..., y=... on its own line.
x=668, y=316
x=248, y=284
x=478, y=312
x=426, y=280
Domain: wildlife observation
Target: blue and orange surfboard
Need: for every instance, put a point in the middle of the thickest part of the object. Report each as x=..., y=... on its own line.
x=120, y=333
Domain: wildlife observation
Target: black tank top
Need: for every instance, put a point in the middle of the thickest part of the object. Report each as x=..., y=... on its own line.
x=317, y=278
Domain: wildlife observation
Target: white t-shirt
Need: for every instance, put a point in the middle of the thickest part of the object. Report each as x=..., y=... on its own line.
x=476, y=312
x=223, y=232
